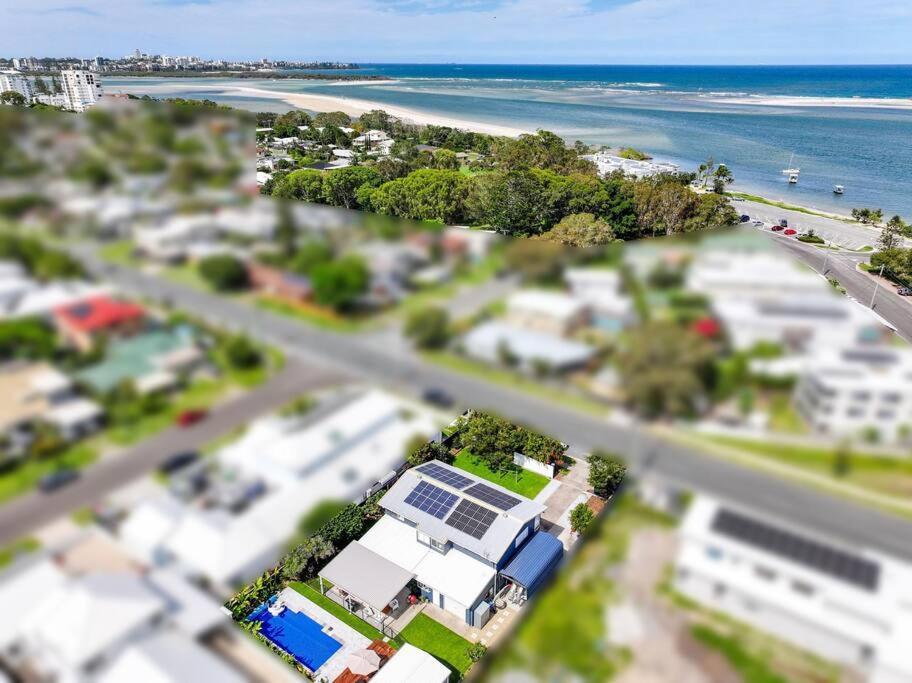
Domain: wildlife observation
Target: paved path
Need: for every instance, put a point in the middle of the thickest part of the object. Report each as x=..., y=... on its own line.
x=22, y=515
x=353, y=355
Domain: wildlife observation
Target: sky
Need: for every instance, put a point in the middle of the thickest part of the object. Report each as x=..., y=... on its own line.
x=469, y=31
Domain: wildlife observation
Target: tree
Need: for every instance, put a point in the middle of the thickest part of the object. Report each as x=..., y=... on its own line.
x=663, y=205
x=868, y=216
x=41, y=86
x=476, y=652
x=26, y=338
x=331, y=118
x=46, y=440
x=606, y=473
x=891, y=234
x=305, y=184
x=420, y=453
x=709, y=212
x=842, y=460
x=721, y=178
x=311, y=254
x=286, y=232
x=339, y=283
x=286, y=125
x=303, y=561
x=241, y=353
x=580, y=230
x=536, y=260
x=542, y=448
x=665, y=369
x=581, y=517
x=12, y=97
x=426, y=194
x=428, y=328
x=492, y=439
x=340, y=186
x=510, y=202
x=446, y=160
x=224, y=272
x=706, y=170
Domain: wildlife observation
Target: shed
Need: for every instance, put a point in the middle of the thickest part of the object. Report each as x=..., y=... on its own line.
x=532, y=565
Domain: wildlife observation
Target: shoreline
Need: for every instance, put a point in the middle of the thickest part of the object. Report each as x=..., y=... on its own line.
x=808, y=101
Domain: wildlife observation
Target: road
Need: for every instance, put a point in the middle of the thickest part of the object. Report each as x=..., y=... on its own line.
x=403, y=370
x=843, y=266
x=23, y=515
x=843, y=233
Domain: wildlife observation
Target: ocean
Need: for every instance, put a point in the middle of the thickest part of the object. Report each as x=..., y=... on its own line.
x=822, y=115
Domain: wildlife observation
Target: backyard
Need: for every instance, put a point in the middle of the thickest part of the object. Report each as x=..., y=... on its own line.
x=518, y=480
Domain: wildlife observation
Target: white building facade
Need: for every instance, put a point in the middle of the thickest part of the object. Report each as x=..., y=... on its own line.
x=82, y=89
x=15, y=82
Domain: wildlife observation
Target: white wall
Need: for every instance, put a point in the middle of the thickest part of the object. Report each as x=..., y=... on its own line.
x=532, y=465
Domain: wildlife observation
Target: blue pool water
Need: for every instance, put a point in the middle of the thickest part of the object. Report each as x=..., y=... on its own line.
x=297, y=634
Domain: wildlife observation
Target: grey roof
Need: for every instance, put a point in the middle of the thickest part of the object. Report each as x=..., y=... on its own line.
x=496, y=540
x=486, y=340
x=366, y=575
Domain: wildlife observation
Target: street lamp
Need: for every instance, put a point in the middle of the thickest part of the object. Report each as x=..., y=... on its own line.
x=876, y=285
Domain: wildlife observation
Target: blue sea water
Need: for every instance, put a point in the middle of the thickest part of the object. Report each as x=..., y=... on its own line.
x=679, y=113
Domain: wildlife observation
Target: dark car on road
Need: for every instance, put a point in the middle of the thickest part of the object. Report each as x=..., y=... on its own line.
x=437, y=397
x=777, y=228
x=904, y=291
x=783, y=223
x=745, y=218
x=178, y=461
x=57, y=480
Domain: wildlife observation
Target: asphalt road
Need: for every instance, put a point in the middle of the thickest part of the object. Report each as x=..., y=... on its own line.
x=23, y=515
x=843, y=266
x=394, y=366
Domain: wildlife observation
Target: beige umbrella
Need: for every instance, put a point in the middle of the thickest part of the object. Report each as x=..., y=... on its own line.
x=363, y=662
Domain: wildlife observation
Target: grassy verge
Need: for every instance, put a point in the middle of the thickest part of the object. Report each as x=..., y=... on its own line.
x=523, y=482
x=515, y=380
x=312, y=315
x=120, y=253
x=750, y=668
x=22, y=477
x=789, y=207
x=9, y=553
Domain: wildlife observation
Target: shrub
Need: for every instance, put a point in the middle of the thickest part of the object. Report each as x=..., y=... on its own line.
x=242, y=354
x=225, y=273
x=476, y=651
x=606, y=473
x=581, y=517
x=429, y=328
x=427, y=451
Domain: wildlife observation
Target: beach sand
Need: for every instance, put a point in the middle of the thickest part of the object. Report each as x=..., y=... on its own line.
x=356, y=107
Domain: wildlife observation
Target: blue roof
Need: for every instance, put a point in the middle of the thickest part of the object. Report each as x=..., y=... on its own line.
x=535, y=561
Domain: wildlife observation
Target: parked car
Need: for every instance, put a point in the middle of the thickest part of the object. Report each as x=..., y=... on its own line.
x=57, y=480
x=790, y=232
x=178, y=461
x=437, y=397
x=191, y=416
x=758, y=224
x=904, y=291
x=745, y=218
x=777, y=228
x=783, y=222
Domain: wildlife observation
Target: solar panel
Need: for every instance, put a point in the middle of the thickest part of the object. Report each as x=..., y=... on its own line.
x=834, y=562
x=442, y=474
x=431, y=499
x=471, y=518
x=492, y=496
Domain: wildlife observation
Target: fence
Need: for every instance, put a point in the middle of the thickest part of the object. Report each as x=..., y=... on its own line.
x=532, y=465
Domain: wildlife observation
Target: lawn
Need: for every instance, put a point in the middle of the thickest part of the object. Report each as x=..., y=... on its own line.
x=336, y=610
x=120, y=253
x=312, y=315
x=523, y=482
x=517, y=381
x=436, y=639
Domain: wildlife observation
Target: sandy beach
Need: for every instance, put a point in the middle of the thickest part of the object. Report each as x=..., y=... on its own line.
x=356, y=107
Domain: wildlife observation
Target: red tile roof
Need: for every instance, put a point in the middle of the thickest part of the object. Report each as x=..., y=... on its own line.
x=98, y=313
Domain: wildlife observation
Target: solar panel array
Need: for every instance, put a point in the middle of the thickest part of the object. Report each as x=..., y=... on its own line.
x=492, y=496
x=431, y=499
x=834, y=562
x=471, y=518
x=442, y=474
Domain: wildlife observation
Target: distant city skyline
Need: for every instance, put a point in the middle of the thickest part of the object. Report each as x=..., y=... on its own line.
x=476, y=31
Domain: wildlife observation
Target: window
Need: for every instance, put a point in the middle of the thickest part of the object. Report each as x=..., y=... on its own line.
x=802, y=587
x=423, y=538
x=439, y=546
x=523, y=535
x=713, y=553
x=765, y=573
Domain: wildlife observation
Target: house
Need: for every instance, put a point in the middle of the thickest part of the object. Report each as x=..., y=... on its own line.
x=608, y=163
x=21, y=296
x=751, y=274
x=36, y=392
x=461, y=538
x=554, y=313
x=279, y=283
x=168, y=241
x=848, y=391
x=343, y=453
x=153, y=361
x=82, y=323
x=412, y=665
x=841, y=602
x=79, y=620
x=600, y=289
x=474, y=244
x=496, y=342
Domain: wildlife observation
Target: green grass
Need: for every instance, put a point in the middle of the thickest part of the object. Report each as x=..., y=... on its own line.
x=523, y=482
x=20, y=478
x=517, y=381
x=436, y=639
x=751, y=668
x=783, y=416
x=120, y=252
x=23, y=546
x=186, y=274
x=83, y=516
x=336, y=610
x=313, y=316
x=789, y=207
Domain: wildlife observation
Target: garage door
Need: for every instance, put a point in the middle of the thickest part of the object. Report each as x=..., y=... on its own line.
x=453, y=606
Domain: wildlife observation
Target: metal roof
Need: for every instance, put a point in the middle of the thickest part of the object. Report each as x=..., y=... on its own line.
x=366, y=575
x=535, y=561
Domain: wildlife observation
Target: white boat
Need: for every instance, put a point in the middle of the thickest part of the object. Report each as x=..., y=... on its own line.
x=838, y=189
x=793, y=179
x=791, y=170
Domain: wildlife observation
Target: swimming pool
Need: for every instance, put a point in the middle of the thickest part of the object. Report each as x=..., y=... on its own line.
x=297, y=634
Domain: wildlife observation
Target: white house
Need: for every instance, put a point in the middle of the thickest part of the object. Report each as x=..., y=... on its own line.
x=546, y=311
x=411, y=665
x=600, y=289
x=493, y=341
x=608, y=163
x=461, y=538
x=843, y=603
x=846, y=391
x=21, y=296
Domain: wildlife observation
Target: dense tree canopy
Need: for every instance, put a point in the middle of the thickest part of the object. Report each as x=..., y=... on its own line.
x=340, y=283
x=224, y=272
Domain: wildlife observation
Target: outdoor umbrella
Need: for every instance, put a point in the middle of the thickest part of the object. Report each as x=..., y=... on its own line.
x=363, y=662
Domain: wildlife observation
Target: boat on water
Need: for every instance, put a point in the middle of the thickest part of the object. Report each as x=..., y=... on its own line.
x=838, y=189
x=792, y=170
x=793, y=179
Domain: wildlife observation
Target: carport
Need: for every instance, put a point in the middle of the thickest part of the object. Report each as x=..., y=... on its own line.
x=533, y=564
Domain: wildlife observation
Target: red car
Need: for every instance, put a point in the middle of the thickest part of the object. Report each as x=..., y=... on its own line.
x=777, y=228
x=190, y=417
x=790, y=232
